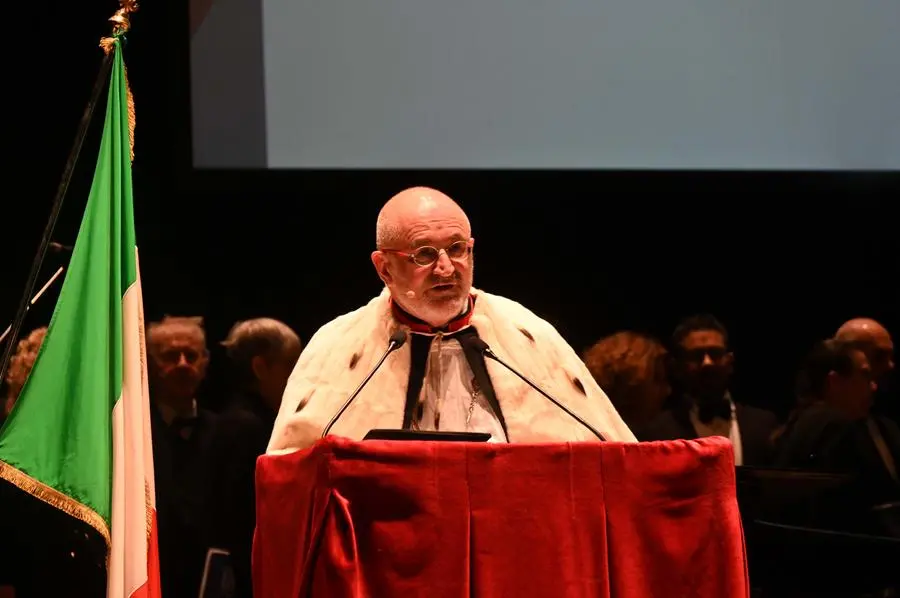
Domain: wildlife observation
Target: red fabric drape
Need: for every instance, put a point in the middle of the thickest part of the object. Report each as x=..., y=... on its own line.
x=452, y=520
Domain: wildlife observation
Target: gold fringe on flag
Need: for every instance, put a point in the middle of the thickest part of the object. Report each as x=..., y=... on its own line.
x=55, y=498
x=149, y=512
x=121, y=24
x=132, y=120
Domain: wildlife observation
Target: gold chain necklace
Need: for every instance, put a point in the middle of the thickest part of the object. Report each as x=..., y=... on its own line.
x=475, y=392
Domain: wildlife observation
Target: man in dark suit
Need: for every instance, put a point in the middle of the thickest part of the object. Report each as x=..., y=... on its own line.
x=875, y=341
x=262, y=352
x=183, y=451
x=702, y=406
x=834, y=430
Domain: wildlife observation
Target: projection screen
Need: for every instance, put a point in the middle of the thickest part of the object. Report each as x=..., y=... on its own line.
x=528, y=84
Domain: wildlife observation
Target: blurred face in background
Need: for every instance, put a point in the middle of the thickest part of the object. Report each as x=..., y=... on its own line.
x=852, y=393
x=658, y=388
x=20, y=366
x=880, y=353
x=875, y=341
x=272, y=372
x=632, y=369
x=178, y=360
x=705, y=365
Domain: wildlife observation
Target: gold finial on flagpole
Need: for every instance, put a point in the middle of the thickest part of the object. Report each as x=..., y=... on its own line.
x=121, y=24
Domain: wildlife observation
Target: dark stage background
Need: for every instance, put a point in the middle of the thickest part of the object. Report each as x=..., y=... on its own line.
x=781, y=258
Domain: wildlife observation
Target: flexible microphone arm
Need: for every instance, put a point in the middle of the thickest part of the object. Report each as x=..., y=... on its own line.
x=397, y=340
x=34, y=299
x=53, y=247
x=485, y=350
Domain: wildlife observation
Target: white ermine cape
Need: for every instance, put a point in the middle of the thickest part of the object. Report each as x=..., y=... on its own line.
x=342, y=353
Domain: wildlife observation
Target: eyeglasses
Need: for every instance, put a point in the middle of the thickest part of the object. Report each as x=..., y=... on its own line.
x=715, y=354
x=427, y=255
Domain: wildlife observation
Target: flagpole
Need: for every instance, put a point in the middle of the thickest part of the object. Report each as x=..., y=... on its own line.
x=120, y=25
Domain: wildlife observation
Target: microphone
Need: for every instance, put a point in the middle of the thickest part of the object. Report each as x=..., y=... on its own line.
x=483, y=348
x=397, y=339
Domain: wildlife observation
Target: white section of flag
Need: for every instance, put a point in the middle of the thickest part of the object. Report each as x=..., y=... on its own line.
x=133, y=560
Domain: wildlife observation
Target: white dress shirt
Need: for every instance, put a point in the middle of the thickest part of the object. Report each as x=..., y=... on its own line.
x=721, y=427
x=450, y=399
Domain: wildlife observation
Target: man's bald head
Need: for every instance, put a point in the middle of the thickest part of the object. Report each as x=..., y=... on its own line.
x=862, y=330
x=406, y=208
x=874, y=339
x=424, y=254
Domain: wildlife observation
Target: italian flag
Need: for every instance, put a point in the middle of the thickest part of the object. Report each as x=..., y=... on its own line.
x=79, y=436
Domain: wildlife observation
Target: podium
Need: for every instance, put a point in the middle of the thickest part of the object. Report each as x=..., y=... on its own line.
x=456, y=520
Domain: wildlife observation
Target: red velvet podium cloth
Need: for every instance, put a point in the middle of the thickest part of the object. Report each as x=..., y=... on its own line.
x=455, y=520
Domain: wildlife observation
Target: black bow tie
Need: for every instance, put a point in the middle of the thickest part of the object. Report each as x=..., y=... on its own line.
x=707, y=412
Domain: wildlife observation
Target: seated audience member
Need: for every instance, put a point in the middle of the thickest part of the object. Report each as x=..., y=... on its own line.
x=439, y=379
x=19, y=368
x=834, y=429
x=875, y=341
x=183, y=436
x=703, y=405
x=631, y=368
x=262, y=353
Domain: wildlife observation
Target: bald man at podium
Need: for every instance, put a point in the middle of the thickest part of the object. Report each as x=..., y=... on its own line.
x=433, y=354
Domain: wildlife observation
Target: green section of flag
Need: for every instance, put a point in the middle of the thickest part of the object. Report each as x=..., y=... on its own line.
x=59, y=434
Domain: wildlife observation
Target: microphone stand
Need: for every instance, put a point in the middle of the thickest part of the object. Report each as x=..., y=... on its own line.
x=393, y=346
x=34, y=299
x=16, y=326
x=489, y=353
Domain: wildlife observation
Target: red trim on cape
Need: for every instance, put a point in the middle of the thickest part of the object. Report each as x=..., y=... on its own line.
x=417, y=325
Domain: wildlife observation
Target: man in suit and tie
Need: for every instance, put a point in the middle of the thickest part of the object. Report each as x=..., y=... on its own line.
x=703, y=405
x=183, y=435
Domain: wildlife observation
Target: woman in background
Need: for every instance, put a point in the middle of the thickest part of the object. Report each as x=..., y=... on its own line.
x=631, y=368
x=20, y=365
